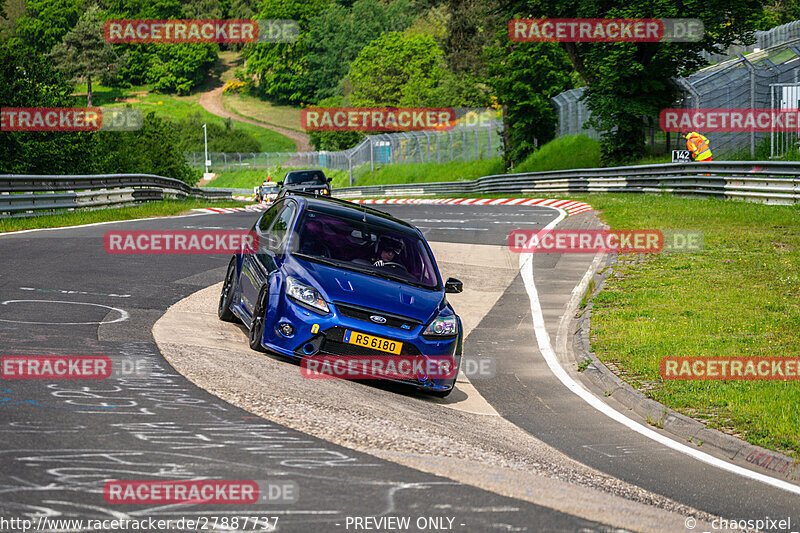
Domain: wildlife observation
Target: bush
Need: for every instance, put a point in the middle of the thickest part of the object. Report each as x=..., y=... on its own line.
x=154, y=149
x=227, y=138
x=570, y=151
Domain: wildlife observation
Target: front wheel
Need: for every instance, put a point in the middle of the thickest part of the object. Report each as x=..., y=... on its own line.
x=257, y=325
x=226, y=298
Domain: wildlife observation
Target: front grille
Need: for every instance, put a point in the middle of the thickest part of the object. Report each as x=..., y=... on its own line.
x=363, y=313
x=334, y=345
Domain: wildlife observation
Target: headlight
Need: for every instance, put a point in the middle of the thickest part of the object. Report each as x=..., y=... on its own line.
x=325, y=191
x=305, y=295
x=442, y=326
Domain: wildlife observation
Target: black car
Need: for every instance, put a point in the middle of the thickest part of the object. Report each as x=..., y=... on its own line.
x=308, y=181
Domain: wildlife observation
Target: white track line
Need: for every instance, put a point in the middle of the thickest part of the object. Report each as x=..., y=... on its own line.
x=545, y=347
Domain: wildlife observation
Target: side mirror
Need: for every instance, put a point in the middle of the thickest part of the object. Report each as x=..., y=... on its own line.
x=328, y=180
x=280, y=183
x=453, y=285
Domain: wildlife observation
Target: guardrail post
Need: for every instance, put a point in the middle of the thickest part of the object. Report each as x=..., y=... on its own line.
x=254, y=160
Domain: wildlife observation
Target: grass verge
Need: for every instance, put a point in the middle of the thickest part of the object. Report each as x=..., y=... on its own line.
x=76, y=218
x=255, y=109
x=428, y=172
x=739, y=297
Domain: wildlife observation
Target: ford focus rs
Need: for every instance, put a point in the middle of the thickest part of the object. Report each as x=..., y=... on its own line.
x=332, y=278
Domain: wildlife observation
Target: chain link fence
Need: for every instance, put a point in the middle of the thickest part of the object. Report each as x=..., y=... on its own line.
x=768, y=78
x=462, y=143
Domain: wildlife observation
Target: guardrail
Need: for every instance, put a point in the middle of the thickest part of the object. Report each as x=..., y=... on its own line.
x=765, y=181
x=27, y=195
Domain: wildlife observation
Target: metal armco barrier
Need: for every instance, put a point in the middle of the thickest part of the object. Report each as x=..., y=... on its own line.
x=762, y=181
x=28, y=195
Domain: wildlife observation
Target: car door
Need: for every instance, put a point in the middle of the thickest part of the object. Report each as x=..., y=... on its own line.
x=272, y=232
x=249, y=277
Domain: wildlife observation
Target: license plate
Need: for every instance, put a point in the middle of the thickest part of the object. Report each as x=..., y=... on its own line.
x=370, y=341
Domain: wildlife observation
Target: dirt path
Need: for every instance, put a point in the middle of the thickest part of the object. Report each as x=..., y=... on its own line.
x=211, y=101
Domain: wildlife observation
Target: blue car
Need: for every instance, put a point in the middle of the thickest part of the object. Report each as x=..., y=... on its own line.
x=333, y=278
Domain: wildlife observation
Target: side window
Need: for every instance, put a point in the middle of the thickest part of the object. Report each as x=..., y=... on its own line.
x=269, y=217
x=279, y=231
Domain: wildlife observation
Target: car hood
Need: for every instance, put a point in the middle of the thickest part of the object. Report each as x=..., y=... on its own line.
x=340, y=285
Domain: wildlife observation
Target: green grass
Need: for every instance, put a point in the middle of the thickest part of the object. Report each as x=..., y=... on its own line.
x=739, y=297
x=177, y=108
x=255, y=109
x=428, y=172
x=389, y=174
x=563, y=153
x=76, y=218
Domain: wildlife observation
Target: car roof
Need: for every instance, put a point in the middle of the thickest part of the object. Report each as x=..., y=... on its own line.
x=305, y=170
x=356, y=212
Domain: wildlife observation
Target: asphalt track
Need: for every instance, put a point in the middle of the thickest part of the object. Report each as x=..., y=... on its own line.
x=60, y=440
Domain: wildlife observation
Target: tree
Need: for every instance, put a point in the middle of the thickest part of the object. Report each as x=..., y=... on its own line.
x=84, y=53
x=47, y=21
x=27, y=79
x=281, y=69
x=153, y=150
x=525, y=76
x=628, y=81
x=335, y=140
x=167, y=67
x=397, y=69
x=337, y=35
x=471, y=27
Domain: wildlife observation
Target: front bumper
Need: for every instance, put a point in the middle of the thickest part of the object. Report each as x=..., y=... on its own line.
x=325, y=335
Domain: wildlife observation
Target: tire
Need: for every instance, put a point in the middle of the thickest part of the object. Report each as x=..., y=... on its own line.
x=257, y=325
x=226, y=298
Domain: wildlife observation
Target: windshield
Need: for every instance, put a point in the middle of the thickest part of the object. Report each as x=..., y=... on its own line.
x=308, y=177
x=367, y=248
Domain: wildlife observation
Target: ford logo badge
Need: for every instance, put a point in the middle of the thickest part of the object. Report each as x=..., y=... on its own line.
x=378, y=319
